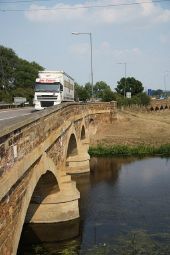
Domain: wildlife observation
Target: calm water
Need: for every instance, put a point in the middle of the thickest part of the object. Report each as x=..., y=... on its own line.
x=124, y=208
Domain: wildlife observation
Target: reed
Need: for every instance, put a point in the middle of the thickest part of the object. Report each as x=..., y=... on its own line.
x=125, y=150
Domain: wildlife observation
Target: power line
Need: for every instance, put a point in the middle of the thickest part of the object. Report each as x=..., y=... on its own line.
x=28, y=1
x=22, y=1
x=83, y=7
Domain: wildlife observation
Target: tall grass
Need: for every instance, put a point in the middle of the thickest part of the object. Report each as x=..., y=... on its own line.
x=124, y=150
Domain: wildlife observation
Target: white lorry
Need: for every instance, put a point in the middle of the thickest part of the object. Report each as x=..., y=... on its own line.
x=52, y=88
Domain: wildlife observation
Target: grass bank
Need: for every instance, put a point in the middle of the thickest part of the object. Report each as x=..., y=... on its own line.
x=125, y=150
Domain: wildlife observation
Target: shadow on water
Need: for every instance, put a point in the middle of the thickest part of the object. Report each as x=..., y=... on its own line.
x=49, y=238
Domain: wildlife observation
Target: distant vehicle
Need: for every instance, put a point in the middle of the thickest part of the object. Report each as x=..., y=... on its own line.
x=20, y=100
x=162, y=97
x=52, y=88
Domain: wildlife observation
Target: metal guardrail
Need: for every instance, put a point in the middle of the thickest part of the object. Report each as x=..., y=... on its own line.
x=9, y=106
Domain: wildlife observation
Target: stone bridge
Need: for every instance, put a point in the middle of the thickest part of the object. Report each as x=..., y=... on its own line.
x=37, y=158
x=159, y=104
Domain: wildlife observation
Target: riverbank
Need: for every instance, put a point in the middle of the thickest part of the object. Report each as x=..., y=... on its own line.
x=124, y=150
x=133, y=133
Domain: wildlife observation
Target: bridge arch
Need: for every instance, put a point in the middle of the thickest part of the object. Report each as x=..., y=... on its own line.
x=83, y=133
x=92, y=126
x=72, y=148
x=44, y=166
x=71, y=145
x=76, y=154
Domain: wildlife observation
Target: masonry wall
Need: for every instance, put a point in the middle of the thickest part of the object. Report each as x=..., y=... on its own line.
x=10, y=212
x=22, y=146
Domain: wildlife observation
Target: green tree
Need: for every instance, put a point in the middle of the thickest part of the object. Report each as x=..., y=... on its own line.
x=88, y=88
x=129, y=84
x=144, y=98
x=108, y=95
x=26, y=73
x=81, y=93
x=157, y=92
x=8, y=64
x=99, y=89
x=17, y=76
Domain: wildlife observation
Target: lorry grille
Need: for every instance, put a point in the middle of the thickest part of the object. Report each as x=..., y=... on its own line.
x=47, y=103
x=45, y=97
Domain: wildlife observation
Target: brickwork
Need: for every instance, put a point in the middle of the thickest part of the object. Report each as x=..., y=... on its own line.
x=161, y=104
x=34, y=146
x=10, y=210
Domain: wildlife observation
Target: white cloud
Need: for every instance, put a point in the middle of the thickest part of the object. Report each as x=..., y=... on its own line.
x=163, y=17
x=61, y=12
x=126, y=53
x=80, y=49
x=57, y=13
x=165, y=39
x=148, y=9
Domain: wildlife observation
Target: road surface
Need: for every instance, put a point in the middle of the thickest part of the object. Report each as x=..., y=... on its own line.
x=12, y=116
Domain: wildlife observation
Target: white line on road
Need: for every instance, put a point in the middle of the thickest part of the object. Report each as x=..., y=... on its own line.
x=14, y=117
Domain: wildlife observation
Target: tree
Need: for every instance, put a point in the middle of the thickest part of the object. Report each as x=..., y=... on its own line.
x=157, y=92
x=81, y=93
x=129, y=84
x=88, y=88
x=8, y=64
x=17, y=76
x=108, y=95
x=99, y=89
x=26, y=73
x=144, y=98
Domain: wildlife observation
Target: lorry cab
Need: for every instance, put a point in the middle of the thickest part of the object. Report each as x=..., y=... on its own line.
x=47, y=94
x=52, y=88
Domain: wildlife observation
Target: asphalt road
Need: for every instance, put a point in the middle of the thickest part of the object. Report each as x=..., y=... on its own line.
x=12, y=116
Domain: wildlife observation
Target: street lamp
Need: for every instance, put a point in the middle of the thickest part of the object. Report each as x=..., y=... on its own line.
x=91, y=56
x=165, y=75
x=124, y=63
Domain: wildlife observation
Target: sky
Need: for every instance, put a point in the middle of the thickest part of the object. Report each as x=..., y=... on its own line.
x=135, y=32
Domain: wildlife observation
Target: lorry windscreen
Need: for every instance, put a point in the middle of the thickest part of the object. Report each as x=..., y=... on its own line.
x=47, y=87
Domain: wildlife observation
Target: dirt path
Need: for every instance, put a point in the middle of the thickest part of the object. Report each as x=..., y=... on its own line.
x=133, y=128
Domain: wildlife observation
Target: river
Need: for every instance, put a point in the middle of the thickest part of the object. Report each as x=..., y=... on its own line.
x=124, y=210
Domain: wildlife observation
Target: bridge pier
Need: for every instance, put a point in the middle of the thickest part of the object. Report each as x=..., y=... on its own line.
x=79, y=163
x=59, y=206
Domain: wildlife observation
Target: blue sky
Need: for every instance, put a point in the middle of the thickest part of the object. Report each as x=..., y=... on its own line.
x=136, y=34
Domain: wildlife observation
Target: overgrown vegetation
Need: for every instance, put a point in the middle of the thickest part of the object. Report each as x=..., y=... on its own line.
x=124, y=150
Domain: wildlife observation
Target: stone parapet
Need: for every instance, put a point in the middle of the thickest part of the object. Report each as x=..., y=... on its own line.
x=37, y=151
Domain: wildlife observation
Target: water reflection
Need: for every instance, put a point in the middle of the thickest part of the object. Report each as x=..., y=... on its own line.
x=48, y=238
x=124, y=205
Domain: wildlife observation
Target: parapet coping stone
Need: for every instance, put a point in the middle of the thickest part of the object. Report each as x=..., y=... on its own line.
x=33, y=117
x=38, y=115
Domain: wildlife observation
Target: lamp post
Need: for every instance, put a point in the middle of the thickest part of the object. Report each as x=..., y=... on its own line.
x=124, y=63
x=165, y=75
x=91, y=56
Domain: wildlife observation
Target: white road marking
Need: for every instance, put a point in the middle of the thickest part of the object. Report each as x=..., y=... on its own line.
x=14, y=117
